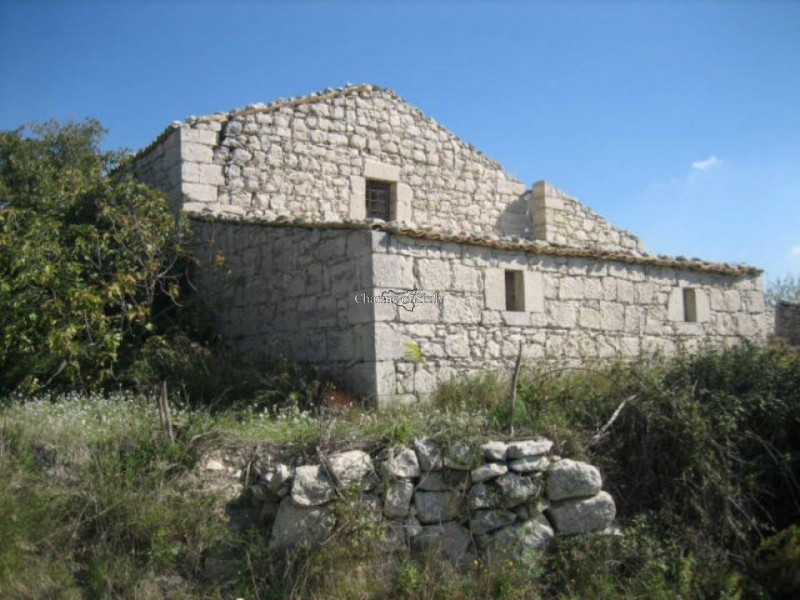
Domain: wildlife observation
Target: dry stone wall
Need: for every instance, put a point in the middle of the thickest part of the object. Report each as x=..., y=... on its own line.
x=464, y=501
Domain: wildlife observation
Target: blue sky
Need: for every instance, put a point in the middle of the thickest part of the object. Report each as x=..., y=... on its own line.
x=677, y=121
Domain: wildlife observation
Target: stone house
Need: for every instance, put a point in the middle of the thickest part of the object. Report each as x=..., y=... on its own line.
x=361, y=235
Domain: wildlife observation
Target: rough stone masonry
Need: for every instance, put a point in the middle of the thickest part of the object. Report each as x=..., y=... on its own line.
x=462, y=500
x=311, y=203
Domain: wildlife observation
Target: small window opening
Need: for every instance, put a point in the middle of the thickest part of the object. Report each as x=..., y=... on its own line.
x=515, y=291
x=379, y=199
x=689, y=305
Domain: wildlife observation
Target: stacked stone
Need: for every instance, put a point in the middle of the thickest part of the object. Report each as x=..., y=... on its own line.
x=462, y=501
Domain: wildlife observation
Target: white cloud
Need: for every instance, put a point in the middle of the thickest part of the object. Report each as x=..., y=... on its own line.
x=702, y=165
x=794, y=250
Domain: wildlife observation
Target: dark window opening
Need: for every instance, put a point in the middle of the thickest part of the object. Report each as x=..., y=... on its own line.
x=515, y=292
x=379, y=199
x=689, y=305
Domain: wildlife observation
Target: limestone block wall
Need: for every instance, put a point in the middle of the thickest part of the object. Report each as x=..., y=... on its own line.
x=787, y=322
x=561, y=219
x=288, y=293
x=310, y=158
x=391, y=315
x=576, y=309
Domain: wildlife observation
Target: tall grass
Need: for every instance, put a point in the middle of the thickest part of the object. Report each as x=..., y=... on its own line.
x=703, y=460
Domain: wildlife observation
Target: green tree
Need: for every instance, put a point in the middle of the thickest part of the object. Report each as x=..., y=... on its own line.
x=84, y=258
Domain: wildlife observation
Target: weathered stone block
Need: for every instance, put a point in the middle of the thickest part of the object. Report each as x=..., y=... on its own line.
x=401, y=462
x=581, y=515
x=398, y=498
x=485, y=521
x=436, y=507
x=450, y=540
x=487, y=472
x=526, y=448
x=300, y=526
x=429, y=454
x=312, y=486
x=572, y=479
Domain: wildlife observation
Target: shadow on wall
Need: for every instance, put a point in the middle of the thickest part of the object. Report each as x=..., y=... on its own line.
x=516, y=218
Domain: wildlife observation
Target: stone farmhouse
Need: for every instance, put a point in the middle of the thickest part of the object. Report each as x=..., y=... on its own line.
x=350, y=230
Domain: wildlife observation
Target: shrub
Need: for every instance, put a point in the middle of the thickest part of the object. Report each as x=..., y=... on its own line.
x=84, y=259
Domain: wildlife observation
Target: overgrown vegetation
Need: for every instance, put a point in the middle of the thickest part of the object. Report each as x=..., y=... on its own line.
x=89, y=264
x=703, y=460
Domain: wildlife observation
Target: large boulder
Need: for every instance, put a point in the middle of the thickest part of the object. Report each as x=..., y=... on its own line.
x=584, y=514
x=300, y=526
x=572, y=479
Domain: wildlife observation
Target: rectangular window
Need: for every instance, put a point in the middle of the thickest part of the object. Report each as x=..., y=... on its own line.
x=689, y=305
x=379, y=199
x=515, y=291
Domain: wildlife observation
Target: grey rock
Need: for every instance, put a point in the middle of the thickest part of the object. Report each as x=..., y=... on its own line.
x=312, y=486
x=526, y=448
x=351, y=467
x=449, y=539
x=402, y=463
x=509, y=542
x=485, y=521
x=494, y=451
x=487, y=472
x=435, y=507
x=572, y=479
x=515, y=489
x=523, y=513
x=581, y=515
x=428, y=454
x=478, y=497
x=459, y=455
x=300, y=526
x=278, y=476
x=433, y=482
x=398, y=498
x=530, y=464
